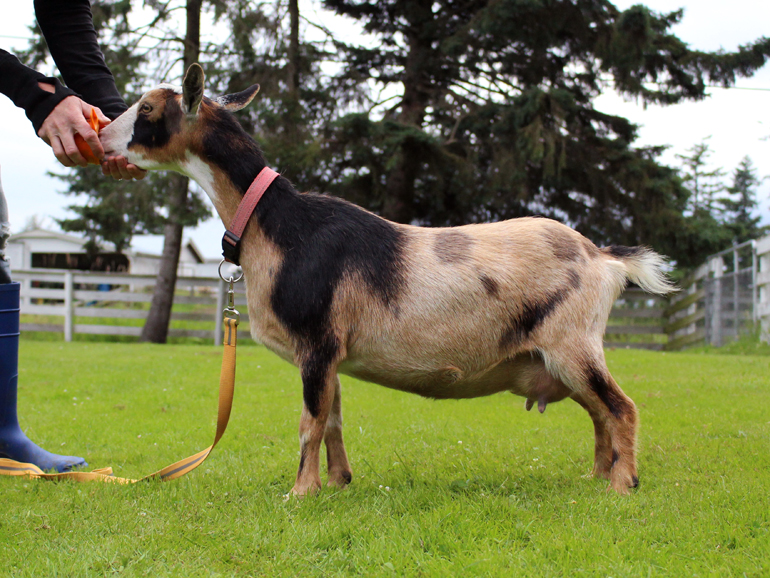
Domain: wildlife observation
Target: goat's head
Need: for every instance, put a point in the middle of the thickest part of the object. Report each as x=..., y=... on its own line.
x=169, y=126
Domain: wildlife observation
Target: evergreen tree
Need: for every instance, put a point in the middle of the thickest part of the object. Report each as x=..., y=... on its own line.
x=297, y=101
x=702, y=232
x=703, y=183
x=495, y=118
x=114, y=211
x=739, y=208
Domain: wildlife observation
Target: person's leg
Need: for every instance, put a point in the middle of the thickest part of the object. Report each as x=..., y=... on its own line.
x=13, y=443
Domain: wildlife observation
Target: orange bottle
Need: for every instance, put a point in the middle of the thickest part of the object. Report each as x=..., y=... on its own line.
x=83, y=147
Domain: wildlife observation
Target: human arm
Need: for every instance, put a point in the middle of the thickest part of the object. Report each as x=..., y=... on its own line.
x=71, y=38
x=44, y=99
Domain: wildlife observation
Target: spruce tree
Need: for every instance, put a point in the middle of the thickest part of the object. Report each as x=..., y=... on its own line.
x=704, y=183
x=495, y=114
x=740, y=207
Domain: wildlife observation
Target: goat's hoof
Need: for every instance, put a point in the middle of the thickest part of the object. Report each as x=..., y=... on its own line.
x=300, y=491
x=339, y=479
x=622, y=484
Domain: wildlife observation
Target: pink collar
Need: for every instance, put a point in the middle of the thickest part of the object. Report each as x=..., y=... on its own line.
x=231, y=242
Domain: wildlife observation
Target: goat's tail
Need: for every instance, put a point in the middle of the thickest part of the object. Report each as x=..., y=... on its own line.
x=644, y=267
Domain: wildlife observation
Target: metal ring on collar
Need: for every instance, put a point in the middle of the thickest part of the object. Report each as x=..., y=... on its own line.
x=228, y=279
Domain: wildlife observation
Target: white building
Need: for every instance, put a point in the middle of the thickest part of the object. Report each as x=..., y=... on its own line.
x=40, y=248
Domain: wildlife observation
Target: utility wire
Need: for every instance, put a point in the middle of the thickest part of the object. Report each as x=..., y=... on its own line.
x=737, y=88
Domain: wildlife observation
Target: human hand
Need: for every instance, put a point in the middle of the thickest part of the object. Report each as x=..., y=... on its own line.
x=119, y=168
x=64, y=122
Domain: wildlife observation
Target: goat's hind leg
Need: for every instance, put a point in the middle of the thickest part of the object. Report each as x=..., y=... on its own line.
x=587, y=375
x=336, y=457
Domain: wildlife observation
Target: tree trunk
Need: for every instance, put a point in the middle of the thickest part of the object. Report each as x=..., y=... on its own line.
x=293, y=67
x=156, y=328
x=399, y=195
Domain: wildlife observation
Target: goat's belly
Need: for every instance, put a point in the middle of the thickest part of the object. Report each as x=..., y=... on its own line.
x=439, y=383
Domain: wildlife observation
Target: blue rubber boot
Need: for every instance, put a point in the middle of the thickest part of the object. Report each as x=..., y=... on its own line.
x=13, y=443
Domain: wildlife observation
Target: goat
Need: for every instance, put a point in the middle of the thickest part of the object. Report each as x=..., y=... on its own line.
x=446, y=313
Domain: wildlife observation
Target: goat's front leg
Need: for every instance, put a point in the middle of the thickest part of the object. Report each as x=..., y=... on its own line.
x=318, y=386
x=336, y=456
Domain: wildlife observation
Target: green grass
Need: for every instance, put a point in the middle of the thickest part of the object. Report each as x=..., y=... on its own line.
x=450, y=488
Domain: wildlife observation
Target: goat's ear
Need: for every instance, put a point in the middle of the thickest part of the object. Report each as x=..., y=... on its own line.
x=239, y=100
x=192, y=88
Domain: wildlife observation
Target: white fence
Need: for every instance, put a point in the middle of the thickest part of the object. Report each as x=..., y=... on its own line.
x=726, y=296
x=117, y=298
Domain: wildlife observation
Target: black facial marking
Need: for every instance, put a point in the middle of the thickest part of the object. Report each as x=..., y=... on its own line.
x=315, y=372
x=605, y=391
x=490, y=285
x=157, y=133
x=531, y=314
x=620, y=251
x=574, y=279
x=563, y=245
x=452, y=246
x=173, y=115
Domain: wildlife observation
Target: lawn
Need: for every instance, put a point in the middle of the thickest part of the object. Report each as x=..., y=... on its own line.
x=448, y=488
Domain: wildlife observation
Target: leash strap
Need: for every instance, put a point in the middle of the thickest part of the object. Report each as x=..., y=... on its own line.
x=175, y=470
x=231, y=242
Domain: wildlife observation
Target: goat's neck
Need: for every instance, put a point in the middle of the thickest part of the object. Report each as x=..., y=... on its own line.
x=225, y=194
x=226, y=187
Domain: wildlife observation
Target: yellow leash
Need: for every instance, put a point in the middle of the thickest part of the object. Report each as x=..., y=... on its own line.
x=177, y=469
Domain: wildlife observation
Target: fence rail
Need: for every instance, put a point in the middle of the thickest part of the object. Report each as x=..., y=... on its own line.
x=724, y=296
x=120, y=302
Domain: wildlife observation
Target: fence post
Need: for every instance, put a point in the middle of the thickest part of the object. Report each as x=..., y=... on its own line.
x=219, y=316
x=717, y=266
x=69, y=288
x=763, y=289
x=736, y=297
x=26, y=286
x=754, y=288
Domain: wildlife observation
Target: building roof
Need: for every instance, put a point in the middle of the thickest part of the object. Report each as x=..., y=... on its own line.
x=36, y=233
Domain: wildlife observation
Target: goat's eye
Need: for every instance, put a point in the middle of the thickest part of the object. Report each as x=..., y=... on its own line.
x=145, y=108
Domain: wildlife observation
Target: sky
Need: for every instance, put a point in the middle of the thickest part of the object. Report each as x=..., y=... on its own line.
x=737, y=120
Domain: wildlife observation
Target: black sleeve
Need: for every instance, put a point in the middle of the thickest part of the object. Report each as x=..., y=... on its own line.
x=69, y=31
x=19, y=83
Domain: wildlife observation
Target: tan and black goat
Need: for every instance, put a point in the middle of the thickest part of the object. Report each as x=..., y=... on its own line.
x=458, y=312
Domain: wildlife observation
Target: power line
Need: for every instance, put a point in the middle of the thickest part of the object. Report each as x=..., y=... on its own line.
x=737, y=88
